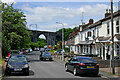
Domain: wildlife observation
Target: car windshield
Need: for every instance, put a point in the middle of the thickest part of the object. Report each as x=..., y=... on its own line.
x=17, y=58
x=15, y=52
x=86, y=60
x=46, y=53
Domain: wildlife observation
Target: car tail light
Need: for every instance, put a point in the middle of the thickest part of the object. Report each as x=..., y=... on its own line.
x=82, y=64
x=75, y=64
x=97, y=65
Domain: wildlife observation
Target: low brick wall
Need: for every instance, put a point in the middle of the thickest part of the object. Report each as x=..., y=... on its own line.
x=102, y=63
x=106, y=63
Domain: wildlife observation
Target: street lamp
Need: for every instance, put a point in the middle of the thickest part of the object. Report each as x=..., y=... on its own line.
x=62, y=40
x=34, y=24
x=36, y=28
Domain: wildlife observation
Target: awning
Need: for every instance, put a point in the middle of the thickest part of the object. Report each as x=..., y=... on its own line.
x=85, y=42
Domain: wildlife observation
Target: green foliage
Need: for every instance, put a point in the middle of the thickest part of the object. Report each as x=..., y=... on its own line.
x=41, y=42
x=15, y=34
x=72, y=52
x=67, y=49
x=59, y=45
x=67, y=32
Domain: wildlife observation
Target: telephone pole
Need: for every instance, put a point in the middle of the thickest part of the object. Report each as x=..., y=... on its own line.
x=112, y=33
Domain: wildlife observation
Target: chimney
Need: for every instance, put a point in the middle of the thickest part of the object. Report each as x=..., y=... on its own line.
x=91, y=21
x=107, y=13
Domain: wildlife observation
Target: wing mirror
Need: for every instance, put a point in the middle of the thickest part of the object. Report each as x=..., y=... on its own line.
x=68, y=60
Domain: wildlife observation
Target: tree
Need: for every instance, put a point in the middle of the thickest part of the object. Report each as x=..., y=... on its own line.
x=41, y=42
x=14, y=31
x=67, y=32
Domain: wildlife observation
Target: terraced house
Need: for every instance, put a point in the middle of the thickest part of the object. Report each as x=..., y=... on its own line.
x=95, y=38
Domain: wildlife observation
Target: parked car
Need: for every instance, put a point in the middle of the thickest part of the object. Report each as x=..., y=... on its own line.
x=82, y=65
x=36, y=49
x=45, y=55
x=17, y=64
x=27, y=50
x=13, y=52
x=23, y=50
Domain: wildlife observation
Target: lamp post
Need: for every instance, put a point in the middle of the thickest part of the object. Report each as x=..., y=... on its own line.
x=112, y=33
x=62, y=40
x=34, y=24
x=36, y=28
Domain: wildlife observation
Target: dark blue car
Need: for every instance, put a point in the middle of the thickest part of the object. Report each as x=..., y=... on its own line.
x=82, y=65
x=17, y=64
x=45, y=55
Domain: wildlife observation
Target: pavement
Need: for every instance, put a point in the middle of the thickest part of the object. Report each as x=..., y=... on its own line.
x=48, y=70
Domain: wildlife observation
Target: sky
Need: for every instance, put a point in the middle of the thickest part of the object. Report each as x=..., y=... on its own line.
x=46, y=14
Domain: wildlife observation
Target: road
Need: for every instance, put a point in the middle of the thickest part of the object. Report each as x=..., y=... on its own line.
x=48, y=69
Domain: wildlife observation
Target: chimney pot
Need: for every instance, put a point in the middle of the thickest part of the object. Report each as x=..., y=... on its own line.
x=91, y=21
x=109, y=10
x=107, y=14
x=106, y=10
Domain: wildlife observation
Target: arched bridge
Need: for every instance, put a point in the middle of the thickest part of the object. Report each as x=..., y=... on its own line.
x=51, y=37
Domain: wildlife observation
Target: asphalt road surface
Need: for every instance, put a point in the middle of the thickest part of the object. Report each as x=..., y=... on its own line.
x=48, y=69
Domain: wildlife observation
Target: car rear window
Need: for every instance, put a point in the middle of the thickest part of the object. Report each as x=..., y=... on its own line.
x=46, y=53
x=86, y=60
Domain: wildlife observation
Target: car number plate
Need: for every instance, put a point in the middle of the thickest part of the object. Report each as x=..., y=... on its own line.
x=90, y=66
x=17, y=69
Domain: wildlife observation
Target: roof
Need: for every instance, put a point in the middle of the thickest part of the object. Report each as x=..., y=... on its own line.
x=74, y=33
x=117, y=13
x=70, y=41
x=17, y=55
x=85, y=42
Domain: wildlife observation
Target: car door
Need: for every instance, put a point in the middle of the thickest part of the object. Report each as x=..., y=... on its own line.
x=69, y=63
x=73, y=63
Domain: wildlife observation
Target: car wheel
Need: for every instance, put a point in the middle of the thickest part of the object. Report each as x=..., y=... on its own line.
x=50, y=59
x=6, y=73
x=95, y=74
x=75, y=72
x=27, y=73
x=66, y=68
x=41, y=59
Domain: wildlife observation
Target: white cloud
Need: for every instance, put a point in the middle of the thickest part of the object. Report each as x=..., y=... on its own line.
x=46, y=14
x=8, y=1
x=65, y=0
x=49, y=14
x=51, y=28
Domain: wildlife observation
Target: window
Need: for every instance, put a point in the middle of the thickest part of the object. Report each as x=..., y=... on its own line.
x=89, y=34
x=87, y=48
x=93, y=32
x=117, y=49
x=117, y=26
x=108, y=32
x=81, y=37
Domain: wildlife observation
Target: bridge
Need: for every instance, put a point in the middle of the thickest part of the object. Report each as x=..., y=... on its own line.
x=51, y=37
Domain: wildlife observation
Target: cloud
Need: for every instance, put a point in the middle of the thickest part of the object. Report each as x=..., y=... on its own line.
x=47, y=14
x=53, y=14
x=8, y=1
x=51, y=28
